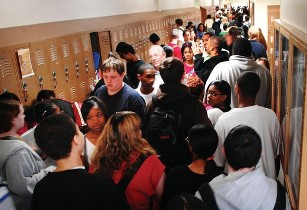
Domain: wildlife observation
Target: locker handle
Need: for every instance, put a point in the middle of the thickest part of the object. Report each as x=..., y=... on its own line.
x=77, y=69
x=40, y=80
x=24, y=90
x=54, y=79
x=86, y=65
x=66, y=73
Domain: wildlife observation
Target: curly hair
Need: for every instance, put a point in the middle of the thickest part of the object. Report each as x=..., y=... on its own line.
x=121, y=137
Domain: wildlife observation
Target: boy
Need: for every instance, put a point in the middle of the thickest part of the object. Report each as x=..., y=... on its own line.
x=70, y=186
x=146, y=75
x=246, y=186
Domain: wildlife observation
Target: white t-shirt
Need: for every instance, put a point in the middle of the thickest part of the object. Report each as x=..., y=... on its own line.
x=214, y=114
x=264, y=121
x=148, y=97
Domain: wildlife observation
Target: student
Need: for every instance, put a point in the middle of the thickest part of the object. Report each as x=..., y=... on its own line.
x=94, y=114
x=217, y=99
x=20, y=167
x=119, y=151
x=117, y=95
x=246, y=186
x=202, y=141
x=146, y=75
x=127, y=52
x=70, y=186
x=263, y=120
x=154, y=39
x=173, y=95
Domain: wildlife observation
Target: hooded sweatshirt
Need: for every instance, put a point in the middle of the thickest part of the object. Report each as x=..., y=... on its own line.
x=179, y=98
x=244, y=190
x=231, y=70
x=21, y=168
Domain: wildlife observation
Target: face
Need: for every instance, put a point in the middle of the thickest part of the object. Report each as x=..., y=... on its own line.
x=147, y=78
x=113, y=81
x=228, y=39
x=95, y=119
x=188, y=54
x=201, y=28
x=192, y=36
x=20, y=119
x=209, y=46
x=156, y=57
x=205, y=39
x=214, y=96
x=186, y=36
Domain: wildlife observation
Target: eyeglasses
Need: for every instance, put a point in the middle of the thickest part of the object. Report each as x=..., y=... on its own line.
x=213, y=93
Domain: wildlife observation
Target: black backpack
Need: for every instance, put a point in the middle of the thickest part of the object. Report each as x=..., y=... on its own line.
x=162, y=129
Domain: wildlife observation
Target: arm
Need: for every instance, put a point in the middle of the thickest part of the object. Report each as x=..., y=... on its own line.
x=23, y=171
x=160, y=187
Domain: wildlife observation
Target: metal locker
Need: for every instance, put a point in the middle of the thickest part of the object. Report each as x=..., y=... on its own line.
x=56, y=72
x=104, y=44
x=68, y=69
x=9, y=78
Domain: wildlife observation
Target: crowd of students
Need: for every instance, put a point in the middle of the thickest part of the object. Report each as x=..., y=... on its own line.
x=99, y=155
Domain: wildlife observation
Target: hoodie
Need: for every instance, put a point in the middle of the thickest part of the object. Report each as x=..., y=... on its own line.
x=21, y=168
x=244, y=191
x=231, y=70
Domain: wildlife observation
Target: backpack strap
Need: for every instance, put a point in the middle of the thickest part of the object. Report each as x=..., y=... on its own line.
x=123, y=183
x=281, y=197
x=207, y=196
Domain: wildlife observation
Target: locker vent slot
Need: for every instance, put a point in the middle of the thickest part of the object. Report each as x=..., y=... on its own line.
x=39, y=56
x=5, y=67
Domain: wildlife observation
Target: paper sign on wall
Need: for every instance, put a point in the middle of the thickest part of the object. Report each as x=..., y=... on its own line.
x=25, y=63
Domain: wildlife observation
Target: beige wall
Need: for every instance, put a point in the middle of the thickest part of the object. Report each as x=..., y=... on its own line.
x=28, y=12
x=294, y=12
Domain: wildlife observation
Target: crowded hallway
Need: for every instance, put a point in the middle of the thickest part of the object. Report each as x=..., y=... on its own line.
x=199, y=107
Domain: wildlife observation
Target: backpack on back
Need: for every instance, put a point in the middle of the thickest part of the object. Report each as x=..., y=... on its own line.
x=162, y=130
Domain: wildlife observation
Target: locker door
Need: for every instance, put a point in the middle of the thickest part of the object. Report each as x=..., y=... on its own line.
x=68, y=69
x=56, y=70
x=105, y=44
x=9, y=78
x=42, y=68
x=79, y=68
x=29, y=85
x=88, y=61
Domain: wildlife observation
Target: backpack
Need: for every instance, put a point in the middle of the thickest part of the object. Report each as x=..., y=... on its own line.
x=163, y=128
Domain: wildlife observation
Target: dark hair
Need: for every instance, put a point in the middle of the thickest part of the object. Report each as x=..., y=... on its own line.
x=203, y=141
x=9, y=109
x=225, y=89
x=243, y=47
x=233, y=31
x=91, y=102
x=154, y=38
x=242, y=147
x=185, y=202
x=171, y=70
x=44, y=95
x=179, y=21
x=249, y=84
x=185, y=45
x=114, y=64
x=144, y=67
x=124, y=48
x=44, y=109
x=168, y=51
x=208, y=16
x=200, y=25
x=9, y=95
x=54, y=135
